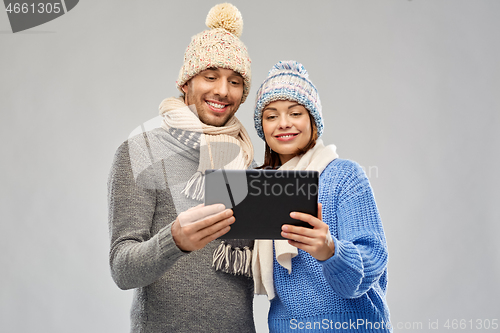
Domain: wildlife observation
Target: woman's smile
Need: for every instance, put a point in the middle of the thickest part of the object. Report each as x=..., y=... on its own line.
x=286, y=136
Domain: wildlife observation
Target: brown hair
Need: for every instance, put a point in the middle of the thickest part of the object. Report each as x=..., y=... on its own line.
x=272, y=159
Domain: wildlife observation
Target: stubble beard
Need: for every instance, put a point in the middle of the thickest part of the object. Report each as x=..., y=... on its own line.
x=200, y=109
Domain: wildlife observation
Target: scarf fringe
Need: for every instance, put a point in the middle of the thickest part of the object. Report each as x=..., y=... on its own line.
x=195, y=187
x=231, y=260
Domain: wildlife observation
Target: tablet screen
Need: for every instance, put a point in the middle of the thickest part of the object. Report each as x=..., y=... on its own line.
x=262, y=200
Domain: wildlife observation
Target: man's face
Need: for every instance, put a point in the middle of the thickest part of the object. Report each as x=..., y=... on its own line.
x=216, y=93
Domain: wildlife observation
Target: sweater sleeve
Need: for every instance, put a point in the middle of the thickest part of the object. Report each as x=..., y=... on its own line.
x=137, y=258
x=361, y=255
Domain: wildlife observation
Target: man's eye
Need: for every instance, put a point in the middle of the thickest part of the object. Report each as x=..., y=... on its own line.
x=211, y=78
x=235, y=83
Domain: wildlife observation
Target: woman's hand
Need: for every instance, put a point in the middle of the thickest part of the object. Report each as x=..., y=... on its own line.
x=317, y=241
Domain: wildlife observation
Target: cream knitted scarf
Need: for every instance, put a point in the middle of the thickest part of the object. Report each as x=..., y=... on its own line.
x=316, y=159
x=227, y=146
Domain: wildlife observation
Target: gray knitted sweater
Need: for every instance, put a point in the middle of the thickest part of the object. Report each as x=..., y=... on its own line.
x=175, y=291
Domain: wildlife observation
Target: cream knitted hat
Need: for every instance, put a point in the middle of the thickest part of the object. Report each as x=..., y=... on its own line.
x=218, y=47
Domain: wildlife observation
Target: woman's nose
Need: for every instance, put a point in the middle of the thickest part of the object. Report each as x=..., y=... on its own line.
x=285, y=122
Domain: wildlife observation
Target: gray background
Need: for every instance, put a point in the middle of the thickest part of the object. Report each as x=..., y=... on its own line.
x=410, y=90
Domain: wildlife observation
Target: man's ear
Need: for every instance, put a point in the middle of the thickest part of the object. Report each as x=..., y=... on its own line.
x=185, y=88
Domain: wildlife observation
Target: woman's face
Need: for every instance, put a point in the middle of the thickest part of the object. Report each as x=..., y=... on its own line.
x=287, y=128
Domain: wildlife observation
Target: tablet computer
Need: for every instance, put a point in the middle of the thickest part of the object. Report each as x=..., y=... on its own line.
x=262, y=200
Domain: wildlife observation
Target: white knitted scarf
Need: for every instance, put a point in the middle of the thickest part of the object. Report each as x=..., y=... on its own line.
x=227, y=146
x=316, y=159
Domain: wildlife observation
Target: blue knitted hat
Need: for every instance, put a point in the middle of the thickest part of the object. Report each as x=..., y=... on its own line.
x=288, y=80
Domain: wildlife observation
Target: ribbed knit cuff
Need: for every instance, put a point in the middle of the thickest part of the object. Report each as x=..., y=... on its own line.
x=169, y=252
x=345, y=258
x=344, y=270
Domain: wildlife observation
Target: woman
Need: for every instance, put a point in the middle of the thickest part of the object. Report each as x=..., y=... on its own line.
x=332, y=277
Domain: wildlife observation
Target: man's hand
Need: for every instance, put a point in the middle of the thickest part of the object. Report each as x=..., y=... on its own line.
x=198, y=226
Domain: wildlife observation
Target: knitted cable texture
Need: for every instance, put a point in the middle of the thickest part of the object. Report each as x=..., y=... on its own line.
x=351, y=285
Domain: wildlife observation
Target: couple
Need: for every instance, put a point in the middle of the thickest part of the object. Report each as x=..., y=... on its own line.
x=164, y=240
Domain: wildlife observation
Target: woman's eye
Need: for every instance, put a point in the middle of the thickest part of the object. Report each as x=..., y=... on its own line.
x=270, y=117
x=296, y=114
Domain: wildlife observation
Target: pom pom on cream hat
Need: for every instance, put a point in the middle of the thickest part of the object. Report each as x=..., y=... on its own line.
x=218, y=47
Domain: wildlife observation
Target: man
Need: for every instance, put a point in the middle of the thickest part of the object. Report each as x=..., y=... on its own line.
x=163, y=240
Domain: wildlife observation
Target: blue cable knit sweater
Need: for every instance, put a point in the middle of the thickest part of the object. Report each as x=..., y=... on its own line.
x=345, y=293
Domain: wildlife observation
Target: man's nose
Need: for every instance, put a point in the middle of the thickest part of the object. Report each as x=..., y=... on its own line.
x=221, y=88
